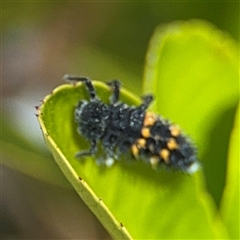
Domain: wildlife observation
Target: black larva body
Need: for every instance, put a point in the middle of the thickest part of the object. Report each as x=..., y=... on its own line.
x=121, y=128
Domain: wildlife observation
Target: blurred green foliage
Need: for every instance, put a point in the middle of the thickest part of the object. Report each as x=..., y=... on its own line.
x=120, y=31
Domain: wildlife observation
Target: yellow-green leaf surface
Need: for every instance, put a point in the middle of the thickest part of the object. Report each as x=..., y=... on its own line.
x=193, y=70
x=149, y=204
x=230, y=201
x=130, y=199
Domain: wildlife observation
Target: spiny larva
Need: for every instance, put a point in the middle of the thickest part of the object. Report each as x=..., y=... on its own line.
x=120, y=128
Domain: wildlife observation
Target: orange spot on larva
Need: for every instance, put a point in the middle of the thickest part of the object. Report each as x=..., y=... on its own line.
x=175, y=130
x=172, y=144
x=164, y=154
x=145, y=132
x=141, y=142
x=149, y=119
x=135, y=150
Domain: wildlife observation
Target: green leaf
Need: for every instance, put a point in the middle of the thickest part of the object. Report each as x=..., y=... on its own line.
x=146, y=202
x=230, y=202
x=57, y=122
x=192, y=68
x=130, y=199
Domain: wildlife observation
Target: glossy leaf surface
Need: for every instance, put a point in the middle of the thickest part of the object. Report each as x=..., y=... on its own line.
x=187, y=67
